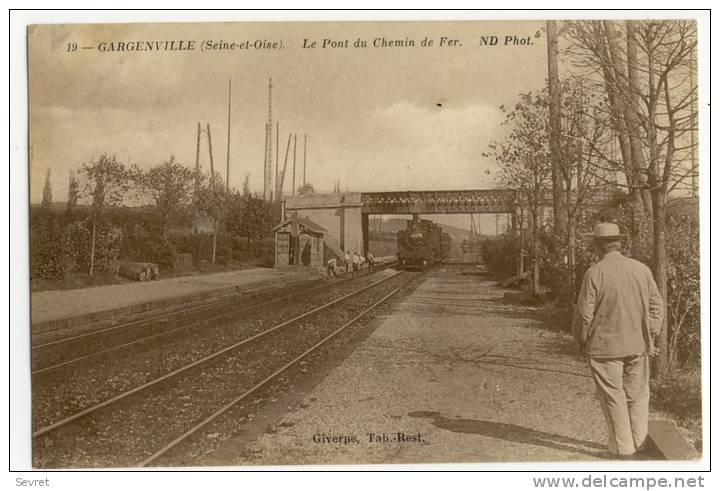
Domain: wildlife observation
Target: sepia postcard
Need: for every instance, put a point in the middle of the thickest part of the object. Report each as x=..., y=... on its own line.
x=365, y=242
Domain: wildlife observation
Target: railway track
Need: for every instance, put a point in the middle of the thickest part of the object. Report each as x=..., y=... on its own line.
x=63, y=351
x=140, y=425
x=72, y=388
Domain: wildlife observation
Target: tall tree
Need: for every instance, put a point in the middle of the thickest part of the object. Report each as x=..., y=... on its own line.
x=169, y=185
x=525, y=164
x=584, y=133
x=73, y=193
x=106, y=182
x=668, y=119
x=594, y=51
x=246, y=186
x=47, y=191
x=248, y=216
x=626, y=87
x=652, y=95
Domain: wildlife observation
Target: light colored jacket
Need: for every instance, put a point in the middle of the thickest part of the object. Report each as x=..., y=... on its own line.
x=619, y=309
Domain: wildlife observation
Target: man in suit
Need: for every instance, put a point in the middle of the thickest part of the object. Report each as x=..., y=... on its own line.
x=619, y=311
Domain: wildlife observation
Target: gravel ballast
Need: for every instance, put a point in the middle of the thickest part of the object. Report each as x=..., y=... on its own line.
x=124, y=433
x=475, y=378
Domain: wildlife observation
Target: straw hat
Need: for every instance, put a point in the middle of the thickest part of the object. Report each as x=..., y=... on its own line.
x=607, y=231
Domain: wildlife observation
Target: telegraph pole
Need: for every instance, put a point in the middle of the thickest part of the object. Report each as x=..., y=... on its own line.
x=212, y=166
x=294, y=159
x=267, y=185
x=281, y=183
x=304, y=159
x=265, y=167
x=559, y=216
x=197, y=158
x=197, y=179
x=227, y=170
x=277, y=159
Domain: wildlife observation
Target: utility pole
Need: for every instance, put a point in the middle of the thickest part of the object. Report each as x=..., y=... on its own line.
x=521, y=262
x=304, y=159
x=265, y=167
x=227, y=170
x=277, y=160
x=281, y=182
x=214, y=190
x=212, y=166
x=267, y=188
x=197, y=178
x=294, y=159
x=197, y=157
x=559, y=217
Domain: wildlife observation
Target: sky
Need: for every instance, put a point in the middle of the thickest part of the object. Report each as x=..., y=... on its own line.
x=376, y=118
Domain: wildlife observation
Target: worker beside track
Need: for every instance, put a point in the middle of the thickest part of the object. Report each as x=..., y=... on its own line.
x=370, y=260
x=356, y=264
x=331, y=264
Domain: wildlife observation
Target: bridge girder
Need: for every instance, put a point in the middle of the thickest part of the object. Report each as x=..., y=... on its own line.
x=431, y=202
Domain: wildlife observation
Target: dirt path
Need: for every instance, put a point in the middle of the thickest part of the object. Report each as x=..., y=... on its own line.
x=453, y=374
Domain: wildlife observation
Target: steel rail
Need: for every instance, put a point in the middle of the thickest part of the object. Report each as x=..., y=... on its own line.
x=85, y=412
x=262, y=383
x=168, y=315
x=152, y=318
x=180, y=328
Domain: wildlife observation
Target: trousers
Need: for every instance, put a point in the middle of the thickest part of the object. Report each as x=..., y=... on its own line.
x=623, y=390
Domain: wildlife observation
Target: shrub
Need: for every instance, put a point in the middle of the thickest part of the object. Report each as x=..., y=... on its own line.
x=46, y=245
x=683, y=302
x=107, y=248
x=555, y=265
x=683, y=285
x=223, y=253
x=265, y=261
x=680, y=394
x=108, y=239
x=501, y=256
x=162, y=252
x=77, y=239
x=683, y=288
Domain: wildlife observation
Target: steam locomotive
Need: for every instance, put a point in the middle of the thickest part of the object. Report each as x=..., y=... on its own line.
x=422, y=244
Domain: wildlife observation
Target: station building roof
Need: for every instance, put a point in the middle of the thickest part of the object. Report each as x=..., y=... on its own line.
x=299, y=225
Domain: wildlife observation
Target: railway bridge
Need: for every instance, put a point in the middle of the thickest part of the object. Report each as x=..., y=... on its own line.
x=345, y=216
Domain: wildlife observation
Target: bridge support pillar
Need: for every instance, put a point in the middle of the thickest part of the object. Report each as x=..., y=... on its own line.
x=365, y=233
x=339, y=214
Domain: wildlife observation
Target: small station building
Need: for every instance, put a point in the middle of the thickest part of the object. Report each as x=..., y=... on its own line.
x=295, y=235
